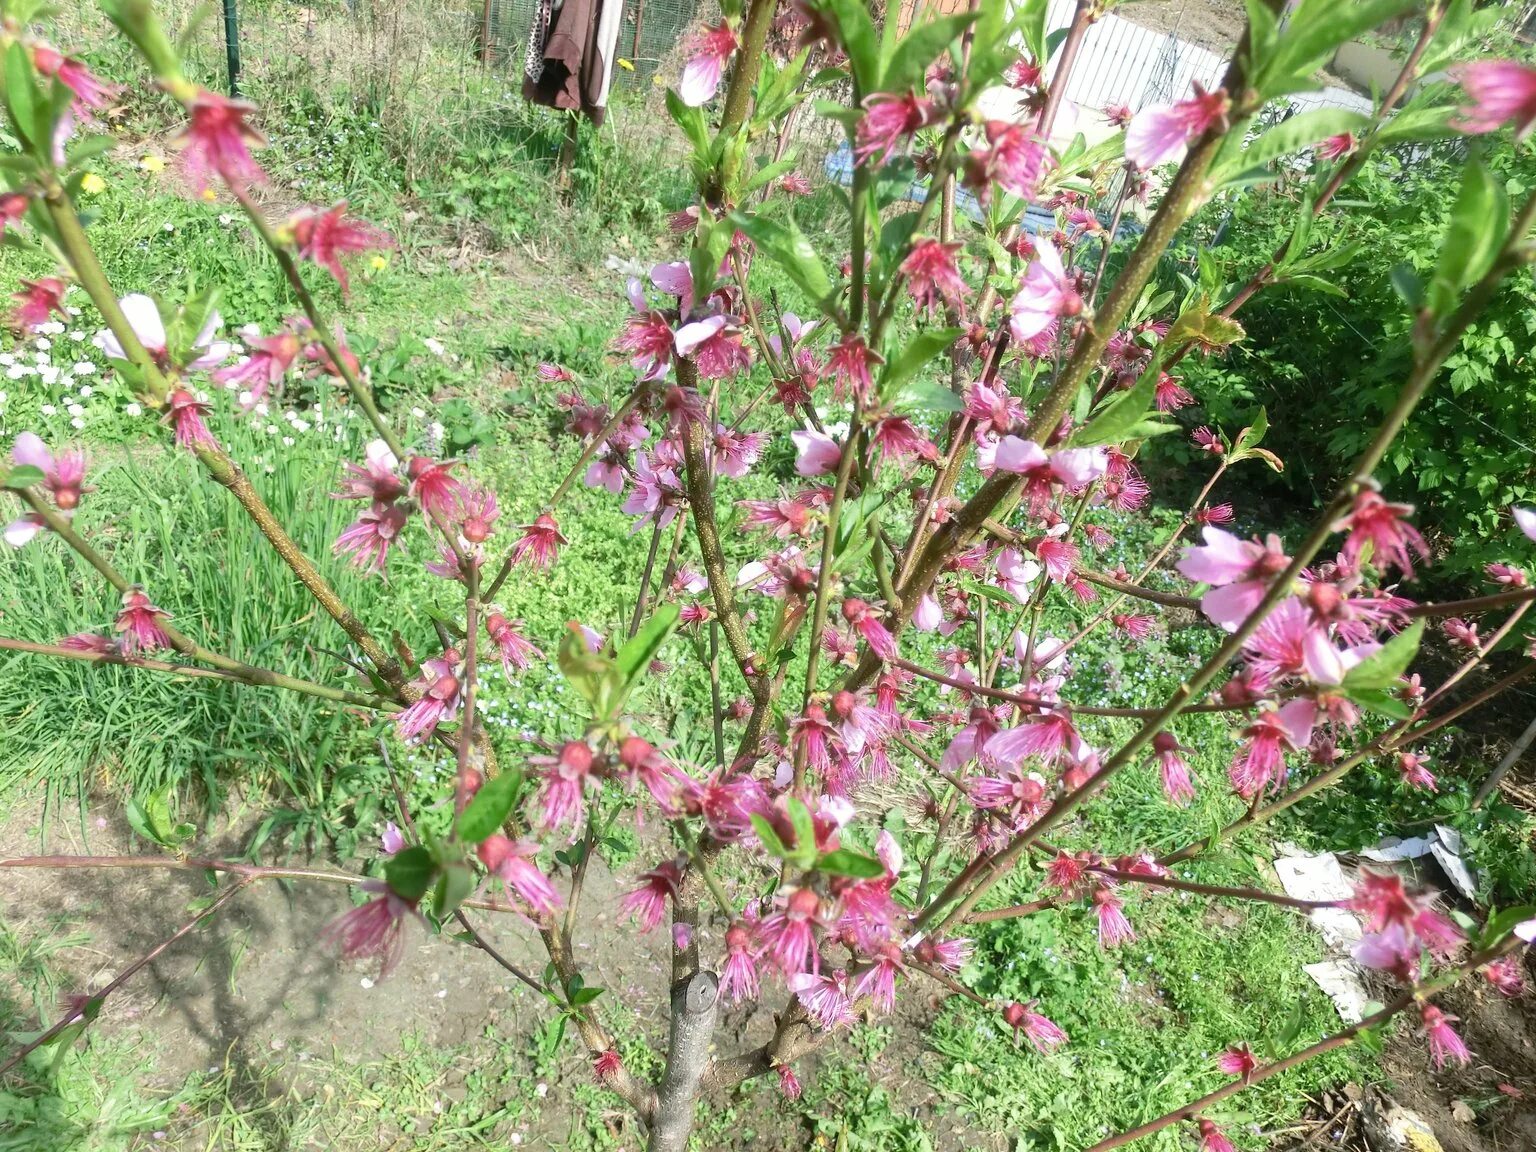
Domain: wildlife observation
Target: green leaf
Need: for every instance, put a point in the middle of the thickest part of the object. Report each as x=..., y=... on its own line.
x=803, y=854
x=787, y=247
x=1115, y=421
x=1204, y=329
x=844, y=862
x=1501, y=924
x=582, y=996
x=1383, y=668
x=929, y=396
x=489, y=808
x=914, y=357
x=988, y=592
x=690, y=120
x=641, y=648
x=1382, y=703
x=856, y=32
x=1316, y=283
x=1292, y=135
x=770, y=172
x=920, y=47
x=24, y=476
x=454, y=884
x=1031, y=20
x=1253, y=435
x=1479, y=222
x=410, y=872
x=20, y=94
x=771, y=842
x=710, y=244
x=1314, y=31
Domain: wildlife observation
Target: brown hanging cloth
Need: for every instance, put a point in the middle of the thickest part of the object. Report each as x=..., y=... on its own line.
x=570, y=54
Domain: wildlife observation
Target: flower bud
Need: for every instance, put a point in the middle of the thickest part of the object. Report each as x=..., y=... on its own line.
x=493, y=850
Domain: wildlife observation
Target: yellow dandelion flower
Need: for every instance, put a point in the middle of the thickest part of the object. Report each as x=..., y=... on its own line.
x=210, y=195
x=91, y=184
x=379, y=263
x=152, y=164
x=625, y=64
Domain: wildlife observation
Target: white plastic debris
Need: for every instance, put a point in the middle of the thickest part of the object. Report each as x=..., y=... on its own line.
x=1319, y=878
x=1340, y=982
x=1447, y=852
x=1395, y=849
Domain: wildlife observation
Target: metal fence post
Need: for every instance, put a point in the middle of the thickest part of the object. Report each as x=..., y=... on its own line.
x=232, y=45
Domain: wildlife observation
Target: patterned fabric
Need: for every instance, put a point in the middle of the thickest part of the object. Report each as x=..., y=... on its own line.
x=538, y=37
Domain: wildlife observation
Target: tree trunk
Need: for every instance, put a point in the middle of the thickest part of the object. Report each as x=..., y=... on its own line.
x=694, y=1003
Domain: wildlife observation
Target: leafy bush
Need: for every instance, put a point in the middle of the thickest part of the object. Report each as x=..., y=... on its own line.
x=1326, y=355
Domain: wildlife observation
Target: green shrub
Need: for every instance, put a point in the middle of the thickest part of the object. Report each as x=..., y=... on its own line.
x=1327, y=359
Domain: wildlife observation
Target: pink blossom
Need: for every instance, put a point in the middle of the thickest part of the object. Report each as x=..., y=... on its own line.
x=850, y=361
x=1013, y=159
x=90, y=92
x=1037, y=1029
x=371, y=931
x=1291, y=641
x=738, y=975
x=1506, y=975
x=715, y=345
x=264, y=367
x=139, y=625
x=648, y=337
x=795, y=184
x=1444, y=1044
x=648, y=903
x=888, y=124
x=1170, y=395
x=514, y=864
x=1016, y=574
x=992, y=408
x=786, y=936
x=607, y=1064
x=1239, y=572
x=434, y=487
x=948, y=955
x=63, y=474
x=932, y=277
x=1177, y=785
x=825, y=998
x=1502, y=92
x=1415, y=772
x=440, y=689
x=516, y=651
x=36, y=302
x=218, y=140
x=1022, y=73
x=1212, y=1138
x=657, y=493
x=1114, y=928
x=1260, y=762
x=816, y=453
x=708, y=50
x=369, y=538
x=737, y=452
x=789, y=1084
x=1507, y=575
x=392, y=841
x=865, y=620
x=1525, y=520
x=1160, y=132
x=1238, y=1061
x=540, y=544
x=1384, y=527
x=566, y=777
x=1341, y=144
x=1019, y=794
x=324, y=237
x=186, y=415
x=1046, y=292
